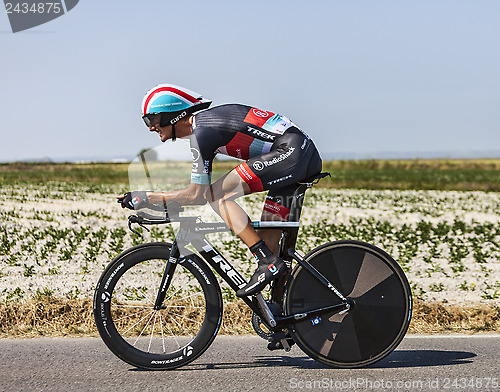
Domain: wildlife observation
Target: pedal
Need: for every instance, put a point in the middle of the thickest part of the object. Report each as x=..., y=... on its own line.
x=282, y=344
x=280, y=341
x=285, y=345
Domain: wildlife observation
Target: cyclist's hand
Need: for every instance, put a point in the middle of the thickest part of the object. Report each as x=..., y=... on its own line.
x=133, y=200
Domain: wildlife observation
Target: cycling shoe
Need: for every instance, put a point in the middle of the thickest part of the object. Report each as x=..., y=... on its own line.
x=265, y=274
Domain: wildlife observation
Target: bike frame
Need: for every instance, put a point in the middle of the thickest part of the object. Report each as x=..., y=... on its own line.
x=193, y=232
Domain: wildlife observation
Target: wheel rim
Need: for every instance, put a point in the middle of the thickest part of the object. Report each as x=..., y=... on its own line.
x=165, y=331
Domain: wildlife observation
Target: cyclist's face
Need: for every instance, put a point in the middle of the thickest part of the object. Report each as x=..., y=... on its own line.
x=153, y=123
x=165, y=133
x=152, y=120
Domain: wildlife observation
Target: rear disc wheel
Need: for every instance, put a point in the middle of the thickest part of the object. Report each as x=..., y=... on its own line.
x=376, y=286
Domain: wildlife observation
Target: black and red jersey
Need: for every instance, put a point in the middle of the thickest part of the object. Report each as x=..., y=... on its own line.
x=235, y=130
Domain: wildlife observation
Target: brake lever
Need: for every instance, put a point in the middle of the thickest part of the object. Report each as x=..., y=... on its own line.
x=135, y=219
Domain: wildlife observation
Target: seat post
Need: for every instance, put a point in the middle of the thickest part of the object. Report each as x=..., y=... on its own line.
x=298, y=195
x=298, y=200
x=290, y=235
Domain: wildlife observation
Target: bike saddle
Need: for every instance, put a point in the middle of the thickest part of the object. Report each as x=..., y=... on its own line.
x=315, y=178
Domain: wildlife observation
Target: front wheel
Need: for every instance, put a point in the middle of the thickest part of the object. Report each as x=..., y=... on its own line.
x=376, y=323
x=167, y=338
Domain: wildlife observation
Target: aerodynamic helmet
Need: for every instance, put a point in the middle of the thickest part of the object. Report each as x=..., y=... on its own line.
x=172, y=102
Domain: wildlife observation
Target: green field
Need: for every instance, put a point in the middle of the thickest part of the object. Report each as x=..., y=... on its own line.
x=60, y=225
x=415, y=174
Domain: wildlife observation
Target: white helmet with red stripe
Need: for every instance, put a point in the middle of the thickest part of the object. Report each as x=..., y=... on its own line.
x=172, y=102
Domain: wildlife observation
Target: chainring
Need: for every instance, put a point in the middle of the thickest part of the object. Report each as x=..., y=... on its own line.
x=260, y=327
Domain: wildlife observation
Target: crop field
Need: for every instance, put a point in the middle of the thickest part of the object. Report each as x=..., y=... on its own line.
x=57, y=237
x=56, y=240
x=418, y=174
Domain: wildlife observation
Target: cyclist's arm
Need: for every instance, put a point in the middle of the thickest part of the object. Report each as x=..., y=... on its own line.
x=204, y=142
x=192, y=195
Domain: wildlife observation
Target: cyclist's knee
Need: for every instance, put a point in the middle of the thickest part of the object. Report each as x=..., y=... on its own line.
x=229, y=187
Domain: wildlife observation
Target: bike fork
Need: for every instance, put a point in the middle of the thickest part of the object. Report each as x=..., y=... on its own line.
x=167, y=275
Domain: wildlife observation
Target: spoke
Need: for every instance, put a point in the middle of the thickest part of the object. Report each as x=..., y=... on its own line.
x=185, y=307
x=130, y=315
x=133, y=306
x=143, y=330
x=189, y=296
x=148, y=267
x=135, y=324
x=152, y=331
x=162, y=337
x=127, y=283
x=192, y=302
x=180, y=326
x=172, y=334
x=172, y=294
x=187, y=318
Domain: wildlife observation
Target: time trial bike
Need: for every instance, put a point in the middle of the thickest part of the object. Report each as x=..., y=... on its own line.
x=159, y=306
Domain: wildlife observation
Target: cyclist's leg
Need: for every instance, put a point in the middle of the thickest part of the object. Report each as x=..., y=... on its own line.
x=221, y=195
x=289, y=161
x=270, y=236
x=276, y=209
x=281, y=189
x=293, y=158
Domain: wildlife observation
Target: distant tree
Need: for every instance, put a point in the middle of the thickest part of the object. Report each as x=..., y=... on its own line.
x=149, y=154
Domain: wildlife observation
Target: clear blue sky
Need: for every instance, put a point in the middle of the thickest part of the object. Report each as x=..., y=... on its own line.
x=358, y=76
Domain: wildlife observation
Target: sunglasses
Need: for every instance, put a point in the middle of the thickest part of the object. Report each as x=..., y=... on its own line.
x=151, y=120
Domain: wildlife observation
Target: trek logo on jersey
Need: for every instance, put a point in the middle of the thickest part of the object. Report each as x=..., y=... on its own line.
x=261, y=134
x=257, y=117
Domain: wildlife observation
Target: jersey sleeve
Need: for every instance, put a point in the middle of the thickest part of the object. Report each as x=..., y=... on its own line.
x=203, y=150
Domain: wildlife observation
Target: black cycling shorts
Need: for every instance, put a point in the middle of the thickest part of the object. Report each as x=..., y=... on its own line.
x=293, y=158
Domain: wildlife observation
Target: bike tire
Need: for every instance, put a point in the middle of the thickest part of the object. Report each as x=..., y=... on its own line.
x=377, y=322
x=157, y=339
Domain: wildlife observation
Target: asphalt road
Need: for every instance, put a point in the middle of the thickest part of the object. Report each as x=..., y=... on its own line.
x=420, y=363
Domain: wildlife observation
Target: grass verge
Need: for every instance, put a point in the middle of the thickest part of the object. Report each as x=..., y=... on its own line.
x=61, y=317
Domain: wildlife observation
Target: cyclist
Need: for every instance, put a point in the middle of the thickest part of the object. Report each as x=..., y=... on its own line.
x=276, y=153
